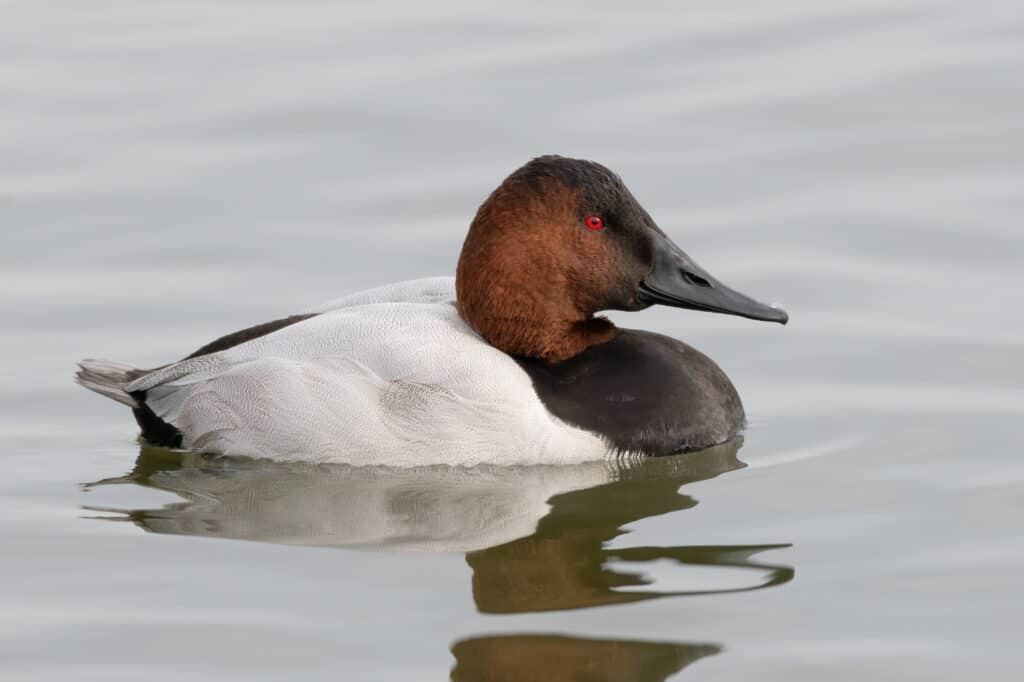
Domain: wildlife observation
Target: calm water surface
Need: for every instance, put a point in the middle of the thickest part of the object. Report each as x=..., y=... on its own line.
x=175, y=170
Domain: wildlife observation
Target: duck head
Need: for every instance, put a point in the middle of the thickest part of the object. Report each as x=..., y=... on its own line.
x=562, y=239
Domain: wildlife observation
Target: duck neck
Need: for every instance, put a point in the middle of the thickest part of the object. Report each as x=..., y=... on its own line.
x=553, y=343
x=530, y=333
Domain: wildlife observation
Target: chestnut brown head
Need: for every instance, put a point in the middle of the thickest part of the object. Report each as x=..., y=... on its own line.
x=562, y=239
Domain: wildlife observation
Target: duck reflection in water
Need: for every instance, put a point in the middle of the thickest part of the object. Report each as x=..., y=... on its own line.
x=552, y=658
x=536, y=537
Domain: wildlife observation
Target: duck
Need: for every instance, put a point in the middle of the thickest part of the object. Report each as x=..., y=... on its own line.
x=508, y=362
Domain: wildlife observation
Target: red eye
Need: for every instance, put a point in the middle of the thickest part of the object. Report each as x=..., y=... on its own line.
x=594, y=222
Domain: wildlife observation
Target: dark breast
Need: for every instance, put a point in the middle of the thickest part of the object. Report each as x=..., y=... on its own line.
x=643, y=392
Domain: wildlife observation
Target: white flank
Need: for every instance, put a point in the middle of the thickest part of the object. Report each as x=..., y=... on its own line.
x=388, y=376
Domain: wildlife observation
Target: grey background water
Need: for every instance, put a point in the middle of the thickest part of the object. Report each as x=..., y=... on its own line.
x=175, y=170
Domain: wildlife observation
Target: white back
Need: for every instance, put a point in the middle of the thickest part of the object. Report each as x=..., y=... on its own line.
x=387, y=376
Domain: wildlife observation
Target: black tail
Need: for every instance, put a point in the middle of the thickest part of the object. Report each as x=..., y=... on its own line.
x=109, y=379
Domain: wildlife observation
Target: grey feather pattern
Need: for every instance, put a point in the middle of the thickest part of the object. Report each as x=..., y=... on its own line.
x=108, y=378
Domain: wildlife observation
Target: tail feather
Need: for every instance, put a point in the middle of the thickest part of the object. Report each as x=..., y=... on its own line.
x=108, y=378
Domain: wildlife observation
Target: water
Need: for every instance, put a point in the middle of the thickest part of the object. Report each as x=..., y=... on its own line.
x=173, y=171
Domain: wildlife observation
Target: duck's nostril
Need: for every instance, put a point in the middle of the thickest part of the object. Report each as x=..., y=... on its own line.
x=695, y=280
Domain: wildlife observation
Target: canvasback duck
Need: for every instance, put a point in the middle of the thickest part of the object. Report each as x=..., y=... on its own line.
x=505, y=363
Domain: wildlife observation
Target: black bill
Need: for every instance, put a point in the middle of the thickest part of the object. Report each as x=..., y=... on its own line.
x=677, y=281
